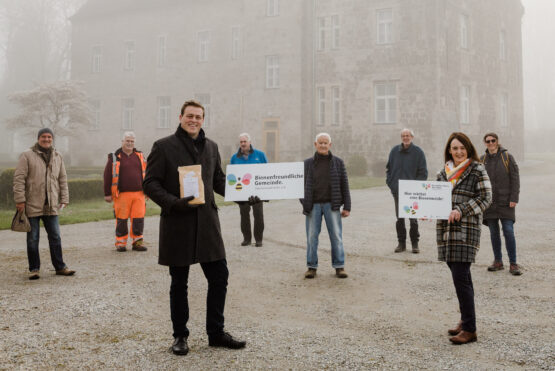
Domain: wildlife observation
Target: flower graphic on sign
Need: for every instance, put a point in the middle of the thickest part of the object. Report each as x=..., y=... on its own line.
x=426, y=185
x=239, y=182
x=411, y=209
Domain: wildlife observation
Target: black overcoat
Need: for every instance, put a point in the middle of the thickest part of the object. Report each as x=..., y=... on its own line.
x=505, y=184
x=193, y=236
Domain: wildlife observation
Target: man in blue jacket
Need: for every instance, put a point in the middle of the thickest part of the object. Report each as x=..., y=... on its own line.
x=406, y=162
x=326, y=189
x=248, y=155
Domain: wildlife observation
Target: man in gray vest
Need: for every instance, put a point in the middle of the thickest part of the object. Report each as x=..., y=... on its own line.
x=406, y=162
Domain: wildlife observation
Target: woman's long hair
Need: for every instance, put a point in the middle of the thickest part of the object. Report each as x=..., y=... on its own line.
x=461, y=137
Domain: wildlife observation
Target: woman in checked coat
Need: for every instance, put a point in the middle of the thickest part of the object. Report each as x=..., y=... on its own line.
x=458, y=238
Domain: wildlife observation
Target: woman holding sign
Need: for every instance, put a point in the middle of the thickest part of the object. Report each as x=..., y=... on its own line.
x=458, y=237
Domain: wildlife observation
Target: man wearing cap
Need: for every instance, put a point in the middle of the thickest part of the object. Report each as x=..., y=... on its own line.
x=40, y=190
x=123, y=185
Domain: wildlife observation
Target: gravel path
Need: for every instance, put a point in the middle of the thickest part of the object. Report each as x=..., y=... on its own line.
x=391, y=313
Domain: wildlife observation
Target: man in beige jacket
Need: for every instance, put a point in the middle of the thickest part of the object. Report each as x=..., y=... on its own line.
x=40, y=189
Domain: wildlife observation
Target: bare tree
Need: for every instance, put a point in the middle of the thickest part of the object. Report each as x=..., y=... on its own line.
x=62, y=106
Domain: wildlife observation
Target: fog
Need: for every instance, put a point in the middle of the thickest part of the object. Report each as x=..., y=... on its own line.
x=334, y=84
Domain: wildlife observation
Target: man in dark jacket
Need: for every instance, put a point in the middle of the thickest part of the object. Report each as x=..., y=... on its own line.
x=189, y=233
x=505, y=183
x=326, y=189
x=406, y=162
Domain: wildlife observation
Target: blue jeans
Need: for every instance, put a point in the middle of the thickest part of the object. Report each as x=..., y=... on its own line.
x=335, y=230
x=510, y=243
x=54, y=241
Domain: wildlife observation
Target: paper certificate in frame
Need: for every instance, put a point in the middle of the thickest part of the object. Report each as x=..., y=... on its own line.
x=424, y=199
x=190, y=183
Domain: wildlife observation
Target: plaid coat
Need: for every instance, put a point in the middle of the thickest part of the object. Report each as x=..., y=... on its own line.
x=459, y=241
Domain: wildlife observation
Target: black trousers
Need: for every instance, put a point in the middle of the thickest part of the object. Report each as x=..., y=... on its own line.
x=400, y=225
x=258, y=214
x=465, y=293
x=216, y=274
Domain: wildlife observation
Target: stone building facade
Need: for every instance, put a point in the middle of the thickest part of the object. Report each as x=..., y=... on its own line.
x=284, y=70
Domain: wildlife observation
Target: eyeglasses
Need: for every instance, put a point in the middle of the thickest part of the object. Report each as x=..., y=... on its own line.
x=491, y=141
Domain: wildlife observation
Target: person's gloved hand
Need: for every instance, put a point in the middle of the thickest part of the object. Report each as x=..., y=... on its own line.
x=183, y=204
x=254, y=200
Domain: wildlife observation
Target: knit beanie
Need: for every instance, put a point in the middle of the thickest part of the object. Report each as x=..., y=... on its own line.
x=45, y=131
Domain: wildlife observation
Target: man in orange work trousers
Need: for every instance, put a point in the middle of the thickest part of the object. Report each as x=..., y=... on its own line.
x=123, y=184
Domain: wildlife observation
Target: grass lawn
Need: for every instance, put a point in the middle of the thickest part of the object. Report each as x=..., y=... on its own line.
x=96, y=210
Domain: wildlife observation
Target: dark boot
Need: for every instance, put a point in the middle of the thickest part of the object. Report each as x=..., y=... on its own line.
x=402, y=246
x=179, y=346
x=415, y=249
x=225, y=340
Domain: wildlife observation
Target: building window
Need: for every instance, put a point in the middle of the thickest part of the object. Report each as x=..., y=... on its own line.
x=129, y=56
x=335, y=31
x=162, y=46
x=96, y=60
x=164, y=110
x=203, y=38
x=336, y=105
x=321, y=33
x=204, y=99
x=464, y=31
x=321, y=106
x=465, y=104
x=504, y=110
x=95, y=108
x=127, y=113
x=272, y=71
x=502, y=46
x=236, y=43
x=385, y=102
x=384, y=20
x=272, y=8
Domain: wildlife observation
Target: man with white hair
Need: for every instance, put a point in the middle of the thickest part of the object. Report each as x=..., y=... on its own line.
x=248, y=155
x=326, y=189
x=123, y=185
x=406, y=162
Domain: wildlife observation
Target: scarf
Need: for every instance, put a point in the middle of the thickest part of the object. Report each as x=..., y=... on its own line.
x=454, y=173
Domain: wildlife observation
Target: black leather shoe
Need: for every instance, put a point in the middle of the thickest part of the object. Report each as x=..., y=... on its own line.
x=245, y=243
x=225, y=340
x=258, y=244
x=179, y=346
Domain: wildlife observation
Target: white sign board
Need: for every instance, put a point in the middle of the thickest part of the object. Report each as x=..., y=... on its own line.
x=424, y=199
x=276, y=181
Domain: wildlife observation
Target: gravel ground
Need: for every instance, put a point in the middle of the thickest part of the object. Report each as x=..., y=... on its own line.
x=391, y=313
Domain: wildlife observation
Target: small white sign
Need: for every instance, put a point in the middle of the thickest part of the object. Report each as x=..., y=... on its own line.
x=190, y=185
x=424, y=199
x=274, y=181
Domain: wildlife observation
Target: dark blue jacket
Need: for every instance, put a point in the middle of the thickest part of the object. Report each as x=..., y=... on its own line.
x=255, y=157
x=405, y=164
x=339, y=184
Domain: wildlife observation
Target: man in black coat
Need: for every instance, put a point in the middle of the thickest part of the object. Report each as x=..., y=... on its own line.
x=406, y=162
x=189, y=233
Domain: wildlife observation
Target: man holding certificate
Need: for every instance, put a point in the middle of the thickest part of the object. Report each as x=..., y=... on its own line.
x=189, y=224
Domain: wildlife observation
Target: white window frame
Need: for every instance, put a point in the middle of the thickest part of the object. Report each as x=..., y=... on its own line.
x=272, y=8
x=162, y=50
x=95, y=108
x=464, y=104
x=127, y=113
x=96, y=59
x=464, y=31
x=206, y=101
x=164, y=112
x=321, y=91
x=504, y=110
x=203, y=40
x=272, y=71
x=236, y=42
x=335, y=31
x=336, y=105
x=384, y=26
x=502, y=45
x=129, y=56
x=388, y=99
x=321, y=43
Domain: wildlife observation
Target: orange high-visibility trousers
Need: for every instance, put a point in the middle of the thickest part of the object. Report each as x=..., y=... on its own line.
x=129, y=205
